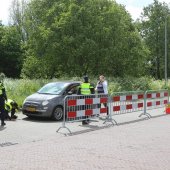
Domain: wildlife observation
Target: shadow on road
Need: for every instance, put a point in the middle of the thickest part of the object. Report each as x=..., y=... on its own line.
x=40, y=119
x=2, y=128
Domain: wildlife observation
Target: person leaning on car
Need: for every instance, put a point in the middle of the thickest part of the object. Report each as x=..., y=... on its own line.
x=86, y=88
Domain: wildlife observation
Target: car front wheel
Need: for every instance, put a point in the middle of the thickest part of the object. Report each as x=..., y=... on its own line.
x=58, y=113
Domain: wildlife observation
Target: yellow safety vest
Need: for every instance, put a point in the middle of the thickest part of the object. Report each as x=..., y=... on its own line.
x=8, y=105
x=85, y=88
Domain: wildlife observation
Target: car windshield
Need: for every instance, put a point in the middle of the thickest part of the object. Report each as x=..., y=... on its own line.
x=53, y=88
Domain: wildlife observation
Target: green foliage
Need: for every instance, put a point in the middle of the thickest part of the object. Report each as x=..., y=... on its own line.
x=10, y=51
x=76, y=37
x=152, y=28
x=19, y=89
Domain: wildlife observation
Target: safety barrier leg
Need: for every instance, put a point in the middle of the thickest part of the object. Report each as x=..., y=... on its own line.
x=145, y=107
x=109, y=116
x=64, y=121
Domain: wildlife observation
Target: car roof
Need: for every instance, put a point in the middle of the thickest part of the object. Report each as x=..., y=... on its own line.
x=67, y=81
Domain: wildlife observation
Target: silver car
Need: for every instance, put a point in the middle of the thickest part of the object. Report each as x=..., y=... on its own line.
x=48, y=101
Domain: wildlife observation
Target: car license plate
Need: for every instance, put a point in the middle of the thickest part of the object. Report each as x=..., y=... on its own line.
x=31, y=109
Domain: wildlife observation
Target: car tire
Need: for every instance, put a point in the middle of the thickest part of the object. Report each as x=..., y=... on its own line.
x=58, y=113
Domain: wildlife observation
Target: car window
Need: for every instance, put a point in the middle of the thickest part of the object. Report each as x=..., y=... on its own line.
x=73, y=89
x=53, y=88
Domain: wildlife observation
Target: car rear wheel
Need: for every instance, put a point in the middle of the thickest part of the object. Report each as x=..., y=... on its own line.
x=58, y=113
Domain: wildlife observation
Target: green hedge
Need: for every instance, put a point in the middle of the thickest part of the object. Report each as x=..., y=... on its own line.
x=19, y=89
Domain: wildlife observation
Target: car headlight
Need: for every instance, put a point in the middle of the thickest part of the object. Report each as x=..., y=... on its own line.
x=44, y=103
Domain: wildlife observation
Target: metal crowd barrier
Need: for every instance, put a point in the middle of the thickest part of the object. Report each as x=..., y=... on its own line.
x=154, y=99
x=126, y=102
x=83, y=107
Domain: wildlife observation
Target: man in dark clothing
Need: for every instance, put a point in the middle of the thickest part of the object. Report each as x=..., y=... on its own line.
x=86, y=88
x=3, y=97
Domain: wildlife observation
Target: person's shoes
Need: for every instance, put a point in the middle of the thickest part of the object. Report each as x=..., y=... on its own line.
x=3, y=124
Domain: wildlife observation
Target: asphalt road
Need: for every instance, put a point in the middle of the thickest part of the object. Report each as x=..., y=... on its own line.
x=25, y=130
x=135, y=144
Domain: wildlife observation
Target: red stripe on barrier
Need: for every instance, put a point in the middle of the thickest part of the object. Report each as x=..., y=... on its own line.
x=157, y=94
x=149, y=104
x=116, y=108
x=140, y=96
x=129, y=97
x=165, y=94
x=88, y=101
x=103, y=110
x=103, y=100
x=71, y=115
x=165, y=101
x=88, y=112
x=149, y=95
x=116, y=98
x=158, y=102
x=129, y=106
x=140, y=105
x=72, y=102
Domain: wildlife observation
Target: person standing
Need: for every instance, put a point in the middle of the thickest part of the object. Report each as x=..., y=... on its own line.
x=86, y=88
x=102, y=88
x=3, y=97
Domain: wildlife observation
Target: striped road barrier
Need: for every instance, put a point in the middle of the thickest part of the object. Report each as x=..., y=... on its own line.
x=83, y=107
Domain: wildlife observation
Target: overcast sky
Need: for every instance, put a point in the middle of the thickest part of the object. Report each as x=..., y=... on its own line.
x=133, y=6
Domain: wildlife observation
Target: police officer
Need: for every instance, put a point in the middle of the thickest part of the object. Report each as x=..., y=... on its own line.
x=86, y=88
x=3, y=97
x=10, y=106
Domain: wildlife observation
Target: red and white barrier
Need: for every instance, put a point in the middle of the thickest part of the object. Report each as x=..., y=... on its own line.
x=156, y=99
x=123, y=103
x=81, y=106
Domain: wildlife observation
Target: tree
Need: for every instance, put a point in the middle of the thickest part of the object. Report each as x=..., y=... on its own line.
x=82, y=36
x=17, y=17
x=10, y=50
x=152, y=31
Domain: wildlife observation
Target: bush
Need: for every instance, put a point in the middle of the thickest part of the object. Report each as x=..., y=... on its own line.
x=19, y=89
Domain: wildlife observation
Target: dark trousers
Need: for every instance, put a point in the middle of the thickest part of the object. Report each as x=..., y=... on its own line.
x=7, y=116
x=2, y=110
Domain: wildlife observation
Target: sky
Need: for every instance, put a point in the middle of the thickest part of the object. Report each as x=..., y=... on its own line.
x=134, y=7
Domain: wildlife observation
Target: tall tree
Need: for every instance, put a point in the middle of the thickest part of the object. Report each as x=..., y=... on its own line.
x=17, y=16
x=82, y=36
x=153, y=32
x=10, y=51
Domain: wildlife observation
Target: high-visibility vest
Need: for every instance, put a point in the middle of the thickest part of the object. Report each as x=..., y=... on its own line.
x=8, y=105
x=85, y=88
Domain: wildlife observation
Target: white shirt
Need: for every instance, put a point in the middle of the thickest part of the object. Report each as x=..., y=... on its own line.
x=105, y=87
